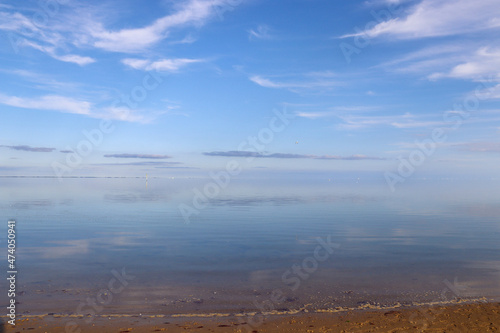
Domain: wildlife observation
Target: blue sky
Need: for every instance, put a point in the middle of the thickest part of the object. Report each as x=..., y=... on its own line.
x=180, y=85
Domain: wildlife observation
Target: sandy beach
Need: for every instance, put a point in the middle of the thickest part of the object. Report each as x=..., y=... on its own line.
x=475, y=317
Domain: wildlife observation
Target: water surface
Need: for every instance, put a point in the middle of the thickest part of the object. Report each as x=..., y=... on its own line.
x=429, y=241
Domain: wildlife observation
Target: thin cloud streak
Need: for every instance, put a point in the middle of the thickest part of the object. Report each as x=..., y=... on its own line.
x=432, y=18
x=316, y=115
x=30, y=149
x=83, y=32
x=335, y=111
x=261, y=32
x=42, y=81
x=147, y=156
x=142, y=163
x=22, y=32
x=162, y=65
x=48, y=102
x=484, y=63
x=74, y=106
x=429, y=59
x=237, y=153
x=312, y=81
x=480, y=147
x=51, y=51
x=193, y=12
x=175, y=167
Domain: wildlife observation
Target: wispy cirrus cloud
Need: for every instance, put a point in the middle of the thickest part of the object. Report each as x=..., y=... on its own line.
x=147, y=156
x=408, y=120
x=358, y=122
x=262, y=31
x=42, y=81
x=75, y=106
x=162, y=65
x=432, y=18
x=48, y=102
x=192, y=12
x=484, y=63
x=175, y=167
x=479, y=147
x=22, y=31
x=267, y=83
x=155, y=164
x=186, y=40
x=335, y=111
x=124, y=113
x=52, y=52
x=30, y=149
x=429, y=59
x=67, y=33
x=307, y=82
x=316, y=115
x=239, y=153
x=401, y=121
x=462, y=62
x=491, y=92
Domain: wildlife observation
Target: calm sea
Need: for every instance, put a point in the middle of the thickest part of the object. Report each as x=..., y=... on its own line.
x=282, y=244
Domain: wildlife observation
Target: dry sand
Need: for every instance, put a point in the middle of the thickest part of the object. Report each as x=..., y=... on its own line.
x=477, y=317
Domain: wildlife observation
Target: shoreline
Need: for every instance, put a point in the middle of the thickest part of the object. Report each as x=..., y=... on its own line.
x=475, y=316
x=279, y=312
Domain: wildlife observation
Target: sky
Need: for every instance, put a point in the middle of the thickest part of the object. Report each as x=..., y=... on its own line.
x=187, y=87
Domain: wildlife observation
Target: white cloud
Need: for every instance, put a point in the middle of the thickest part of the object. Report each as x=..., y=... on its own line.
x=75, y=106
x=431, y=18
x=406, y=120
x=49, y=102
x=170, y=65
x=335, y=111
x=74, y=58
x=263, y=82
x=429, y=59
x=81, y=30
x=42, y=81
x=123, y=114
x=136, y=63
x=481, y=66
x=22, y=32
x=480, y=147
x=186, y=40
x=416, y=124
x=385, y=2
x=193, y=12
x=484, y=63
x=491, y=93
x=358, y=122
x=464, y=62
x=315, y=115
x=261, y=32
x=313, y=81
x=15, y=21
x=163, y=65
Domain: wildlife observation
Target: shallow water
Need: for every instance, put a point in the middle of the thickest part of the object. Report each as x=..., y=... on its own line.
x=257, y=244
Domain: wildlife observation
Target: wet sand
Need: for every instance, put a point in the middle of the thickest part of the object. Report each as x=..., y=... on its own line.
x=470, y=317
